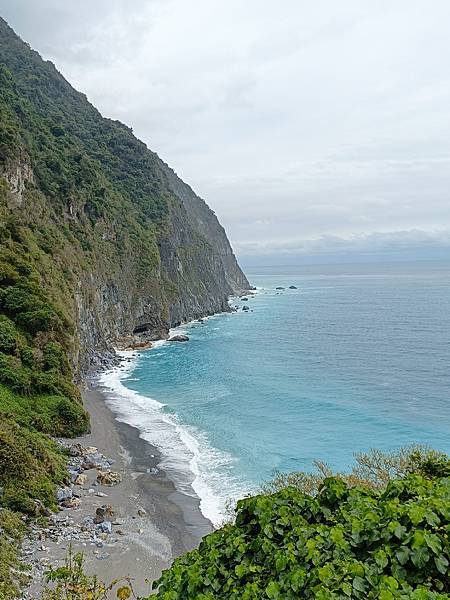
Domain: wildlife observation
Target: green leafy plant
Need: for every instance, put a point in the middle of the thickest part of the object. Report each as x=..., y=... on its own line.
x=71, y=582
x=12, y=572
x=373, y=469
x=341, y=542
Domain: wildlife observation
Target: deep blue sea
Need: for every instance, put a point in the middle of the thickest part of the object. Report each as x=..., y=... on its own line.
x=358, y=356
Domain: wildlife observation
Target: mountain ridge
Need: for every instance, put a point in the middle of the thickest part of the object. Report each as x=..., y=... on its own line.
x=101, y=244
x=180, y=224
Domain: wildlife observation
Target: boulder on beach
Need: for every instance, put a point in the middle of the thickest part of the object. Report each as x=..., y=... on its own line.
x=179, y=338
x=81, y=479
x=104, y=527
x=292, y=287
x=109, y=478
x=63, y=493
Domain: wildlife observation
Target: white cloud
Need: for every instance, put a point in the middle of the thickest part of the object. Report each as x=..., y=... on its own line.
x=295, y=120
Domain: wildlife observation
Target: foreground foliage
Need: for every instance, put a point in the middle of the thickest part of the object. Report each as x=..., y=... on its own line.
x=353, y=542
x=373, y=470
x=12, y=529
x=70, y=582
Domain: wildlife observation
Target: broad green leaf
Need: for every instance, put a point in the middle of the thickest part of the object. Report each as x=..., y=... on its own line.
x=441, y=564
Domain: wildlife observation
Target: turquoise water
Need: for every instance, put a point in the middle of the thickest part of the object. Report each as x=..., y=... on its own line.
x=357, y=357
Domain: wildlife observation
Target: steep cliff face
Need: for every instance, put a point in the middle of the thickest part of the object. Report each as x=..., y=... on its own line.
x=204, y=221
x=140, y=252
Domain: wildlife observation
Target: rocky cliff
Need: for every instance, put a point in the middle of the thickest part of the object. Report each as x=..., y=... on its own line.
x=138, y=249
x=101, y=244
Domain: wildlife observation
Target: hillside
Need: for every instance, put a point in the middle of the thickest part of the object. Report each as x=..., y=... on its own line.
x=139, y=249
x=101, y=243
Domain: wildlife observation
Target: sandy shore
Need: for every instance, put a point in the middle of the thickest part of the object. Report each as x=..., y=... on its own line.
x=152, y=521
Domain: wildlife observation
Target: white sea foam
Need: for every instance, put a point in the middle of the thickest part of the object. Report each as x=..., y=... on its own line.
x=195, y=467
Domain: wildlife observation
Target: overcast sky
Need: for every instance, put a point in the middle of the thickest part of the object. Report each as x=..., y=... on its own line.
x=306, y=125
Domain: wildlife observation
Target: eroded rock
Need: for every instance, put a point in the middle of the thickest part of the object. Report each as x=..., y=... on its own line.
x=109, y=477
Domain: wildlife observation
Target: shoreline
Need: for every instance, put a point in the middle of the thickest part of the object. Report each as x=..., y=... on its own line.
x=152, y=521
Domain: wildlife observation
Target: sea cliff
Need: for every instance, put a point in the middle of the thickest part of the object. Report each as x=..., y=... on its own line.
x=101, y=245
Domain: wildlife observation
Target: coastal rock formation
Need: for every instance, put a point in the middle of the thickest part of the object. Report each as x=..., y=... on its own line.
x=101, y=246
x=141, y=252
x=179, y=338
x=108, y=478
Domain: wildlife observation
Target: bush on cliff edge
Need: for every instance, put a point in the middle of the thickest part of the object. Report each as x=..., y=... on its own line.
x=342, y=542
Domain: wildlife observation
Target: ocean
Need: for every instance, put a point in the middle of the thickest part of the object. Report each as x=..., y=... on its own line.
x=357, y=357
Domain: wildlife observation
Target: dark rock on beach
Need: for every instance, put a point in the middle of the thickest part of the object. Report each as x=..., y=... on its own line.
x=179, y=338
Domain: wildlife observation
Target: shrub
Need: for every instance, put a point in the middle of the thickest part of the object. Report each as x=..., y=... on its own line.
x=54, y=357
x=14, y=375
x=54, y=383
x=344, y=542
x=73, y=418
x=43, y=318
x=30, y=467
x=11, y=571
x=70, y=582
x=8, y=335
x=8, y=275
x=373, y=469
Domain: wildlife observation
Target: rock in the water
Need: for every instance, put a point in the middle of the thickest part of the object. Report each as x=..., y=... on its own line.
x=279, y=288
x=245, y=308
x=179, y=338
x=109, y=478
x=292, y=287
x=244, y=299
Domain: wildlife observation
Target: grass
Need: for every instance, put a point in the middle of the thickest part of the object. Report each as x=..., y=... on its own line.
x=12, y=573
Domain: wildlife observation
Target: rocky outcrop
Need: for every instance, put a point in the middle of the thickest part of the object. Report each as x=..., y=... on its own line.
x=140, y=252
x=179, y=338
x=17, y=174
x=206, y=224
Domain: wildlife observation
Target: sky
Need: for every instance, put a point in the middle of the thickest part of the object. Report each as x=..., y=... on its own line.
x=313, y=129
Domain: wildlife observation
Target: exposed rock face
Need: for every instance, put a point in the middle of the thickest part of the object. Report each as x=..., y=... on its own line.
x=197, y=273
x=179, y=338
x=204, y=221
x=17, y=174
x=140, y=251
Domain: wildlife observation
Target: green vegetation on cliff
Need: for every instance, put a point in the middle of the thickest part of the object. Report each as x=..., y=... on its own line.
x=98, y=239
x=95, y=244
